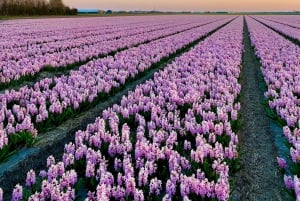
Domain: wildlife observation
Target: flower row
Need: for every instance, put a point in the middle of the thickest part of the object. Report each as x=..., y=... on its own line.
x=38, y=31
x=282, y=28
x=280, y=61
x=15, y=65
x=24, y=109
x=170, y=138
x=88, y=38
x=290, y=20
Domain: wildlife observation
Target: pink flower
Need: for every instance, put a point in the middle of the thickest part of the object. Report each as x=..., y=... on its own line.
x=138, y=195
x=52, y=172
x=30, y=180
x=187, y=145
x=60, y=168
x=3, y=139
x=297, y=185
x=222, y=190
x=234, y=115
x=118, y=192
x=68, y=159
x=289, y=183
x=17, y=193
x=102, y=193
x=72, y=177
x=130, y=186
x=170, y=188
x=50, y=161
x=90, y=169
x=281, y=162
x=155, y=186
x=1, y=194
x=184, y=188
x=43, y=174
x=143, y=177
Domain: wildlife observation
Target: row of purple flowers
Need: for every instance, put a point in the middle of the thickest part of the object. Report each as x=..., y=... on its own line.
x=22, y=109
x=18, y=62
x=170, y=138
x=282, y=28
x=89, y=37
x=38, y=31
x=290, y=20
x=280, y=63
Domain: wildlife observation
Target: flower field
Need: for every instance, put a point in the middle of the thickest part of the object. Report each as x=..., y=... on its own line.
x=62, y=51
x=175, y=136
x=279, y=67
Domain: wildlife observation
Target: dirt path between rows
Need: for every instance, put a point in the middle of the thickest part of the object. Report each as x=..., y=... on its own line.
x=259, y=179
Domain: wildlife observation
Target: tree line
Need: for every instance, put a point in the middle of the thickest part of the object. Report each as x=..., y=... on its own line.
x=34, y=7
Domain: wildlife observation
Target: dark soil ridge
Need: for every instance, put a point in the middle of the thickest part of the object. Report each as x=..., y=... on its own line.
x=52, y=142
x=259, y=178
x=291, y=39
x=50, y=72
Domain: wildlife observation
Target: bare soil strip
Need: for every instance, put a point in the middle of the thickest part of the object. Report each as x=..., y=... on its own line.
x=53, y=141
x=259, y=179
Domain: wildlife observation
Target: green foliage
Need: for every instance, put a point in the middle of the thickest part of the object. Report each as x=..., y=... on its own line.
x=296, y=169
x=15, y=143
x=223, y=139
x=273, y=115
x=237, y=124
x=80, y=190
x=291, y=194
x=34, y=7
x=28, y=191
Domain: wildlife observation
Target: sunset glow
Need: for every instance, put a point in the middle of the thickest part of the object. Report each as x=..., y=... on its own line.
x=188, y=5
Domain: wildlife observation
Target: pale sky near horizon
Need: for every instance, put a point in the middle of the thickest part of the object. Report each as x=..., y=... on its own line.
x=188, y=5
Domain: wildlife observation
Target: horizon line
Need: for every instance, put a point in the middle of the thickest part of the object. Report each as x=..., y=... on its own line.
x=170, y=11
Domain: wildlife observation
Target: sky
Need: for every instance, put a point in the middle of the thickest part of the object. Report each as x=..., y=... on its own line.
x=188, y=5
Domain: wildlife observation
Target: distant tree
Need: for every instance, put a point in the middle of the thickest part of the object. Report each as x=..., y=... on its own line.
x=4, y=7
x=56, y=6
x=109, y=12
x=35, y=7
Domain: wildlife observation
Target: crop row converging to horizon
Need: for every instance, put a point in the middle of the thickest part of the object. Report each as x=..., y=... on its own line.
x=174, y=136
